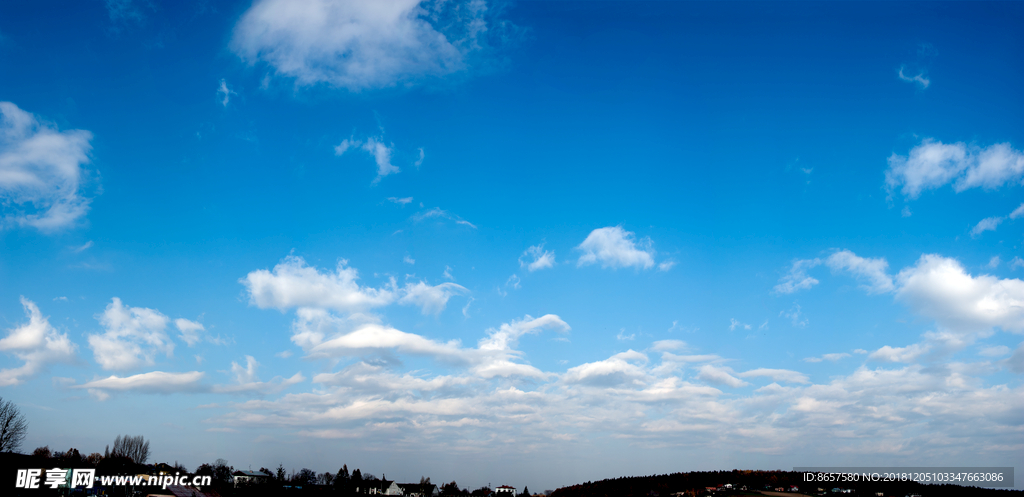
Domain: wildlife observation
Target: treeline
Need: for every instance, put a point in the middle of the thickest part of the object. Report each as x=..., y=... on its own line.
x=695, y=483
x=129, y=455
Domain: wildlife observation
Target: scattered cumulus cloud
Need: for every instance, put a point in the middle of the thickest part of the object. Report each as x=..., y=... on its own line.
x=940, y=289
x=361, y=46
x=408, y=260
x=132, y=337
x=35, y=343
x=292, y=283
x=871, y=271
x=614, y=247
x=933, y=164
x=400, y=201
x=41, y=171
x=191, y=331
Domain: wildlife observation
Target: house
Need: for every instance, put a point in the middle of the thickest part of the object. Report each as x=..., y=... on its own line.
x=244, y=478
x=379, y=487
x=419, y=489
x=505, y=491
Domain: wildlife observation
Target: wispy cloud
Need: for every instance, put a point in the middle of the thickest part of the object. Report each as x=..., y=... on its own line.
x=224, y=93
x=41, y=171
x=918, y=78
x=535, y=258
x=438, y=213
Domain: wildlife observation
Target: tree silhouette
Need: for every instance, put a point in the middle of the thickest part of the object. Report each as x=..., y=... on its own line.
x=12, y=426
x=134, y=448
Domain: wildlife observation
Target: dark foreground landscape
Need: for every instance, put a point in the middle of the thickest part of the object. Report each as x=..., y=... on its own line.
x=225, y=481
x=745, y=482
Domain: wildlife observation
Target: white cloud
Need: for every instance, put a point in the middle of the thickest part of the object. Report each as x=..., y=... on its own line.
x=829, y=357
x=797, y=279
x=919, y=78
x=494, y=356
x=873, y=271
x=940, y=289
x=666, y=265
x=432, y=299
x=153, y=382
x=224, y=93
x=36, y=343
x=624, y=368
x=246, y=380
x=123, y=11
x=82, y=248
x=360, y=45
x=794, y=316
x=1016, y=262
x=380, y=152
x=663, y=345
x=437, y=212
x=536, y=257
x=909, y=353
x=294, y=284
x=408, y=260
x=1018, y=212
x=513, y=281
x=400, y=201
x=994, y=262
x=1016, y=361
x=784, y=375
x=734, y=323
x=190, y=331
x=933, y=164
x=41, y=171
x=861, y=414
x=622, y=336
x=987, y=224
x=615, y=247
x=994, y=351
x=720, y=376
x=133, y=336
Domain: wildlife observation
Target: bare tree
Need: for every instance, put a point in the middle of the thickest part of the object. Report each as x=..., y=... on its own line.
x=12, y=426
x=134, y=448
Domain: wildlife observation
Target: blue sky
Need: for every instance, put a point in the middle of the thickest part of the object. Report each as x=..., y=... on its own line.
x=531, y=244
